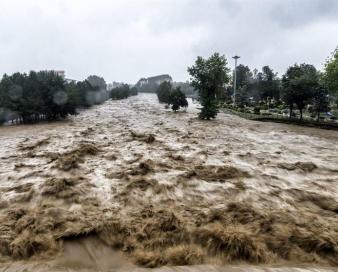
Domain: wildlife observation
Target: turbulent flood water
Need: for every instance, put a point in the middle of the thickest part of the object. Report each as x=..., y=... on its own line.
x=129, y=184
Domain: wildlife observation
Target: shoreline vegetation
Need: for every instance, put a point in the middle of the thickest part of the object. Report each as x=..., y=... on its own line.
x=46, y=96
x=303, y=91
x=330, y=125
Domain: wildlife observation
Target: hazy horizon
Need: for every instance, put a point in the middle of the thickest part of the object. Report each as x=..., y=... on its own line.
x=127, y=40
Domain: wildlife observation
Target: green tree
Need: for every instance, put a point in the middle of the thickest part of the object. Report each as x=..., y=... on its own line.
x=75, y=98
x=11, y=95
x=49, y=87
x=299, y=84
x=163, y=92
x=331, y=73
x=2, y=116
x=244, y=82
x=209, y=77
x=243, y=76
x=320, y=100
x=177, y=99
x=267, y=84
x=287, y=98
x=86, y=93
x=42, y=95
x=120, y=92
x=133, y=91
x=99, y=92
x=97, y=82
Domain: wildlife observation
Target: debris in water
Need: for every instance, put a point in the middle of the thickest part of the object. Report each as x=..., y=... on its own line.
x=148, y=138
x=71, y=159
x=219, y=173
x=25, y=147
x=305, y=166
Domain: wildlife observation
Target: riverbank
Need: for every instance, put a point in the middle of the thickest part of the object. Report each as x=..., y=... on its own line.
x=284, y=120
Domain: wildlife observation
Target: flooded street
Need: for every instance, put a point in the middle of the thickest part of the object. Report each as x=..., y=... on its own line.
x=129, y=184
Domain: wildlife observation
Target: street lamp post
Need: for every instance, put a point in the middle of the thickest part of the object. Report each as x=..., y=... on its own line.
x=235, y=77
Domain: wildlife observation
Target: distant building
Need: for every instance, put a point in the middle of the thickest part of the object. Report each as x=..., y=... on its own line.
x=150, y=84
x=60, y=73
x=68, y=80
x=114, y=85
x=157, y=80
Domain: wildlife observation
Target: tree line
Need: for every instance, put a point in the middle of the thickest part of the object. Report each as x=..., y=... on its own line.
x=123, y=91
x=45, y=95
x=301, y=87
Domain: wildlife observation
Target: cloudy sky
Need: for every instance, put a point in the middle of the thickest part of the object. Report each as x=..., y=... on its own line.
x=123, y=40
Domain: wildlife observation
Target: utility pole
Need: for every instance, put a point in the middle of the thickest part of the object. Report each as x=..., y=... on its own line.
x=235, y=77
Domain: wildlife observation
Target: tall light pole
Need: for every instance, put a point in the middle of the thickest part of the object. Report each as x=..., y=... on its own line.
x=235, y=77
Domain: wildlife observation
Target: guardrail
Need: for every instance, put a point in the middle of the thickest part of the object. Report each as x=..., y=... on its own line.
x=283, y=119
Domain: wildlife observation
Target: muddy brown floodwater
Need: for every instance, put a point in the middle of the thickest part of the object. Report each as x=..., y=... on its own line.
x=128, y=185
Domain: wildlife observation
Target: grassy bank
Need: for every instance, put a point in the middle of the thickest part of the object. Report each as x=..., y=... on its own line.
x=283, y=119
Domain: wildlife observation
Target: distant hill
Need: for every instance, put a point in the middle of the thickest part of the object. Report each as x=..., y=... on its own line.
x=150, y=84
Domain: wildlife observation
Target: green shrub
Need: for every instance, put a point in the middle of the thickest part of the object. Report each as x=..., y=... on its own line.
x=163, y=92
x=122, y=92
x=177, y=99
x=257, y=110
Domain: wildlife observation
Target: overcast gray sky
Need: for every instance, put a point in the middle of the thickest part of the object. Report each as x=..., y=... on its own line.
x=123, y=40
